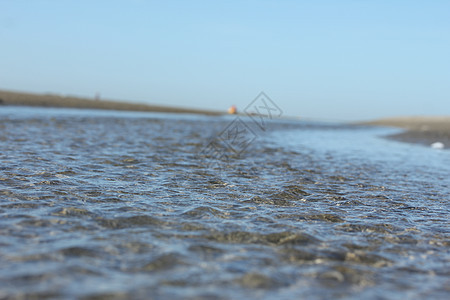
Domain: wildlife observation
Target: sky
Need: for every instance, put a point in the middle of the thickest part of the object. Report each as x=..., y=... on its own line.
x=325, y=60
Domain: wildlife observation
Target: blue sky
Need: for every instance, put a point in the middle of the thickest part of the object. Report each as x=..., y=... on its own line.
x=329, y=60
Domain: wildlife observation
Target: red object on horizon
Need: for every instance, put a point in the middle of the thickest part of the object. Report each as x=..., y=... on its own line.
x=232, y=110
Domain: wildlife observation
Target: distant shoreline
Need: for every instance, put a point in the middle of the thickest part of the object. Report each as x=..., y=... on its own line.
x=424, y=130
x=11, y=98
x=418, y=129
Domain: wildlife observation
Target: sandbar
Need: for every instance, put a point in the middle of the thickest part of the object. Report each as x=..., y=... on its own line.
x=54, y=100
x=419, y=129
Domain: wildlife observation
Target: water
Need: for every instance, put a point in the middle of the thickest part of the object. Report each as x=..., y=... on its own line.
x=101, y=205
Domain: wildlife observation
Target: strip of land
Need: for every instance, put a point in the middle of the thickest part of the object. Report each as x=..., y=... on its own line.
x=51, y=100
x=419, y=129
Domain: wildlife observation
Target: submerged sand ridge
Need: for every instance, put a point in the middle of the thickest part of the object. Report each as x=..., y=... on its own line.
x=53, y=100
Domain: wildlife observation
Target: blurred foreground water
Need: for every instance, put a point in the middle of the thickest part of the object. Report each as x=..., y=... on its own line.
x=111, y=205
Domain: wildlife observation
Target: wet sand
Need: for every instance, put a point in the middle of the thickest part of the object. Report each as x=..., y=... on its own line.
x=53, y=100
x=419, y=129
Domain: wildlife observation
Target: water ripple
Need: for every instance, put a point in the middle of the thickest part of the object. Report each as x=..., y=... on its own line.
x=102, y=206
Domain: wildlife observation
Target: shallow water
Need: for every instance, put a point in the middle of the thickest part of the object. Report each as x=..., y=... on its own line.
x=98, y=204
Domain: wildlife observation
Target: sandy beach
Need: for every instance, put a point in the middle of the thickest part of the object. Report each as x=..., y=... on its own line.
x=52, y=100
x=419, y=129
